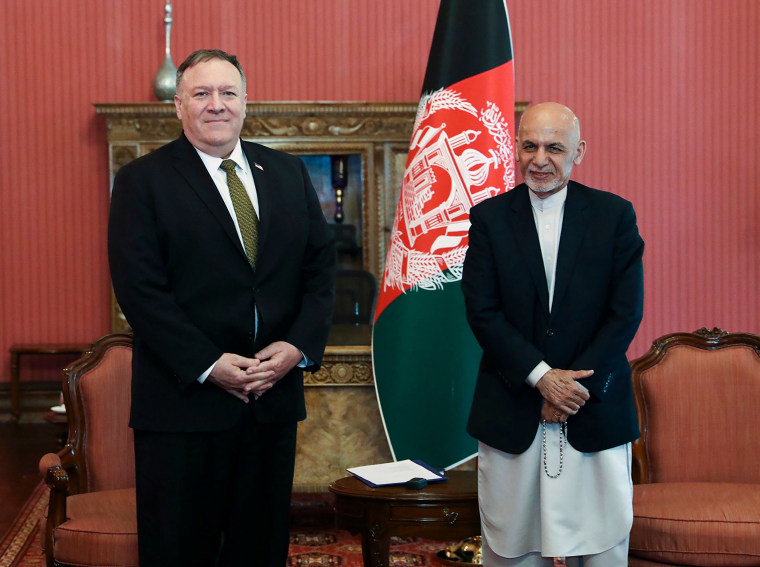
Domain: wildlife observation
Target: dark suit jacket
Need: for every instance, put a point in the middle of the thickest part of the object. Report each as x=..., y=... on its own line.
x=181, y=277
x=597, y=308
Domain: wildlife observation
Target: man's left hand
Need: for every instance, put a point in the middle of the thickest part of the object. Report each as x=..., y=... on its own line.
x=277, y=359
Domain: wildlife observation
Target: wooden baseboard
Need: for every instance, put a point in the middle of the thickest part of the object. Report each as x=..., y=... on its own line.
x=35, y=403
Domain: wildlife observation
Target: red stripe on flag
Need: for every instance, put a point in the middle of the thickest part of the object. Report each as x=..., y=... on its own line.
x=461, y=152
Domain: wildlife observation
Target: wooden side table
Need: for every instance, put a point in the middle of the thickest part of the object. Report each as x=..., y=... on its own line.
x=442, y=510
x=18, y=350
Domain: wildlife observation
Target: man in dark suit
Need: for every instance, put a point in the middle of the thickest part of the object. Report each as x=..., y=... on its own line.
x=553, y=284
x=222, y=262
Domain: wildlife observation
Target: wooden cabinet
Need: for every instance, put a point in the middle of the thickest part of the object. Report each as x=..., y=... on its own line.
x=374, y=137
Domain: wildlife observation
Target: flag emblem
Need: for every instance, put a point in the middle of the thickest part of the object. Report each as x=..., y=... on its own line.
x=459, y=155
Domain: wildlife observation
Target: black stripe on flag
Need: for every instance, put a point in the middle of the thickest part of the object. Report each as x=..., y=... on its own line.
x=469, y=38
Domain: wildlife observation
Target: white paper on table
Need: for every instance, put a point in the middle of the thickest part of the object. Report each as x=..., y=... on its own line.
x=395, y=473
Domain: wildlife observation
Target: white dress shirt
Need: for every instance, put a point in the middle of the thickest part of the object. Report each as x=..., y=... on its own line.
x=243, y=171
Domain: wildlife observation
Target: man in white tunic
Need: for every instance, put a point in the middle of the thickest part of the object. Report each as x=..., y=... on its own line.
x=553, y=285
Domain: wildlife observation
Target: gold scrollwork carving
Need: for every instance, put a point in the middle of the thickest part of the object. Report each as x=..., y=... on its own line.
x=349, y=127
x=122, y=155
x=143, y=128
x=313, y=126
x=168, y=128
x=341, y=374
x=343, y=366
x=256, y=126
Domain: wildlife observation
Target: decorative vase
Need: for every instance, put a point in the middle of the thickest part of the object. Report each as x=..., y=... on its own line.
x=165, y=81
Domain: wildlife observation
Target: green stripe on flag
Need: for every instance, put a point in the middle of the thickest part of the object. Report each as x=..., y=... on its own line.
x=427, y=346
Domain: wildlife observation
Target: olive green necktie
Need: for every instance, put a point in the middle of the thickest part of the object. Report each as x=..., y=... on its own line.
x=244, y=211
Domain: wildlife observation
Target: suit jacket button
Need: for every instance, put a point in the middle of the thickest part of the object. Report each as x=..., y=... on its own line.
x=549, y=332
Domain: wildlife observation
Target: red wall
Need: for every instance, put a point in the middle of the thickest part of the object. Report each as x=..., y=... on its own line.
x=665, y=90
x=667, y=95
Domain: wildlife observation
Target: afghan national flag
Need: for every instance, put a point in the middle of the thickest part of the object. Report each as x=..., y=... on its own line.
x=462, y=151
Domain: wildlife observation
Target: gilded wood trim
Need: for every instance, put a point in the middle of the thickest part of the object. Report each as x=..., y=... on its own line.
x=343, y=366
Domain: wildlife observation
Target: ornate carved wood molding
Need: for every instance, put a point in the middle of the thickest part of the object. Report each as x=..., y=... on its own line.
x=714, y=334
x=349, y=121
x=343, y=366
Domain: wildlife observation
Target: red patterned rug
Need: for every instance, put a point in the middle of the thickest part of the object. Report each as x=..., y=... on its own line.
x=314, y=542
x=20, y=547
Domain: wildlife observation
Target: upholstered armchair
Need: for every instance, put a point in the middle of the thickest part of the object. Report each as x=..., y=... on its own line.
x=697, y=465
x=91, y=518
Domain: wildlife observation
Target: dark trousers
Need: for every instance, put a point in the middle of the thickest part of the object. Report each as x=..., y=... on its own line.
x=215, y=499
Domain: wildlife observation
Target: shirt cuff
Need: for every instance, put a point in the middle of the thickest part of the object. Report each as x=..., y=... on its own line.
x=202, y=377
x=305, y=361
x=537, y=373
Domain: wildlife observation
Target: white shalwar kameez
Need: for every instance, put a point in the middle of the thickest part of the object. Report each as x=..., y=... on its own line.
x=588, y=508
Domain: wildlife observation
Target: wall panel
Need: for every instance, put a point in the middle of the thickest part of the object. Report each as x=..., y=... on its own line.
x=665, y=89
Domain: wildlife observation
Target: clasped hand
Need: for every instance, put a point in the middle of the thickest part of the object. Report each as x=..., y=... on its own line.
x=563, y=396
x=240, y=376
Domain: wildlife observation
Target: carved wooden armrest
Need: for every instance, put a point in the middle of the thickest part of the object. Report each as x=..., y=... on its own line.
x=48, y=461
x=58, y=480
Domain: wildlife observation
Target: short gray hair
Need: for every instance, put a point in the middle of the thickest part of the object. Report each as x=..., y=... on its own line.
x=203, y=55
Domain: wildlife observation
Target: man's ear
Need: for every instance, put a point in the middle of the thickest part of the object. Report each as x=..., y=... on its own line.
x=580, y=152
x=178, y=106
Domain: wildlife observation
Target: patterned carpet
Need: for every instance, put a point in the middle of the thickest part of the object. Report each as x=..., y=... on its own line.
x=315, y=543
x=20, y=547
x=313, y=540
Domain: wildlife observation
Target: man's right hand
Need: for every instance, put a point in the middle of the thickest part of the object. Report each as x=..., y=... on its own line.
x=229, y=373
x=559, y=388
x=551, y=414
